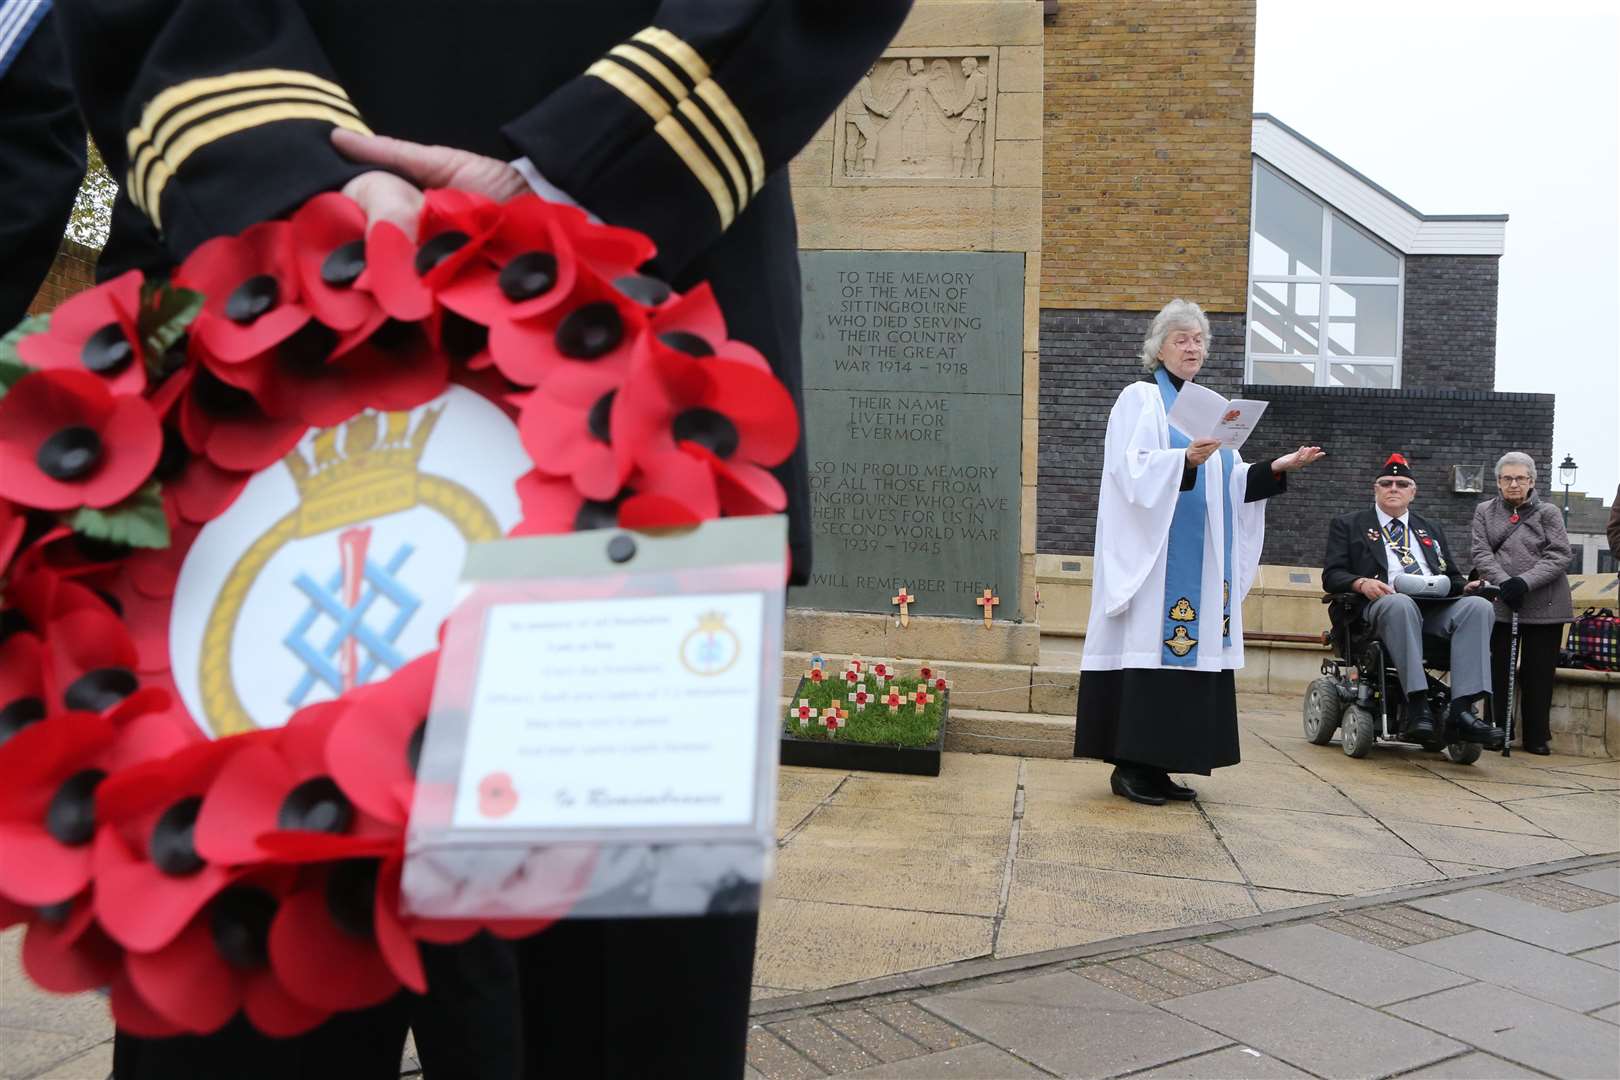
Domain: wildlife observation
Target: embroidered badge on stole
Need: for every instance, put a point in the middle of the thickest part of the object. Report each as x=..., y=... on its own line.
x=1184, y=562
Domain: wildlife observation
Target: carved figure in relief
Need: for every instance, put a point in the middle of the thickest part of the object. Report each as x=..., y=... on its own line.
x=917, y=107
x=967, y=149
x=861, y=129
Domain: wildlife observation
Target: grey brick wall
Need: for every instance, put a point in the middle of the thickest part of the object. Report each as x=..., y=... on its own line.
x=1448, y=328
x=1087, y=357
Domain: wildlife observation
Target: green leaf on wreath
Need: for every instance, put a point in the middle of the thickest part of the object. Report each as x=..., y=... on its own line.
x=12, y=366
x=166, y=312
x=138, y=521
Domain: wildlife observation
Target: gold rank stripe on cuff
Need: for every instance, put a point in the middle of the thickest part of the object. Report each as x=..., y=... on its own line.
x=693, y=115
x=185, y=118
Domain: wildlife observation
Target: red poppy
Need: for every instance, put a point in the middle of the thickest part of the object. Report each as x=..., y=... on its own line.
x=376, y=741
x=229, y=427
x=48, y=778
x=66, y=441
x=597, y=327
x=13, y=523
x=497, y=795
x=201, y=491
x=323, y=941
x=23, y=699
x=91, y=660
x=565, y=427
x=552, y=505
x=219, y=965
x=609, y=251
x=132, y=1015
x=95, y=331
x=706, y=428
x=281, y=786
x=525, y=266
x=329, y=252
x=63, y=950
x=253, y=301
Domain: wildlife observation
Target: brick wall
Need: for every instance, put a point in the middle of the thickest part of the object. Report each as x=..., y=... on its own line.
x=1147, y=121
x=73, y=271
x=1087, y=357
x=1448, y=330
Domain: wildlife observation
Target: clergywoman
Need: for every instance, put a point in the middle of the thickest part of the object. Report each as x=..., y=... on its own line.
x=1180, y=523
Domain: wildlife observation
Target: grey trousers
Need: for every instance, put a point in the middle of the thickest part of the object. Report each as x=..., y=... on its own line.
x=1466, y=621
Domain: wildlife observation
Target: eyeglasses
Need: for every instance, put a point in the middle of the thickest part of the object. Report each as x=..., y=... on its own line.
x=1512, y=480
x=1401, y=485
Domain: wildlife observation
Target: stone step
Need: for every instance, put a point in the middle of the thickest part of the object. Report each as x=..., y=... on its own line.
x=988, y=731
x=1002, y=687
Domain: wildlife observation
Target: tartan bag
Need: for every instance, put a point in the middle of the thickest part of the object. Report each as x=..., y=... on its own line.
x=1594, y=640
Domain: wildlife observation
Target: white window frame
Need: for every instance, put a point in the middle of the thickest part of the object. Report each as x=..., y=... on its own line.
x=1325, y=282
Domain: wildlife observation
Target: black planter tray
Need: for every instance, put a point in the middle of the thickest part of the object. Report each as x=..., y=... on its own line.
x=843, y=753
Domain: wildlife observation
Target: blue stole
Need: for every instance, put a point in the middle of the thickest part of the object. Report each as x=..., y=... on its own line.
x=1184, y=561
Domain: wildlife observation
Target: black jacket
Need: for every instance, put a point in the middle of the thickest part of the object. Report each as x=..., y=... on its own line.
x=677, y=118
x=1355, y=549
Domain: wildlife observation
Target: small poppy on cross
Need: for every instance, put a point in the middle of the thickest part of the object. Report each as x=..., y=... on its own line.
x=861, y=697
x=905, y=600
x=925, y=673
x=853, y=664
x=834, y=717
x=882, y=673
x=988, y=601
x=921, y=698
x=893, y=699
x=803, y=712
x=851, y=676
x=941, y=683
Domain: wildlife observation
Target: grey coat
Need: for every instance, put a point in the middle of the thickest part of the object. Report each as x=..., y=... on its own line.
x=1535, y=548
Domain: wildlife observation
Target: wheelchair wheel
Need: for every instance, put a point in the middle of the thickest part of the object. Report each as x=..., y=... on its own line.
x=1357, y=730
x=1464, y=753
x=1323, y=707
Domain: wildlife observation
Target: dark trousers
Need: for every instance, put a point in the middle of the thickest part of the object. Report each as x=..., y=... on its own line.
x=1538, y=658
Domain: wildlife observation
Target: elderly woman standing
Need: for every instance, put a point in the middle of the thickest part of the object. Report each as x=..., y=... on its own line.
x=1179, y=528
x=1519, y=543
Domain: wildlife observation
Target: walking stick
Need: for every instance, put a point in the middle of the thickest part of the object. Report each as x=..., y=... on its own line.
x=1513, y=682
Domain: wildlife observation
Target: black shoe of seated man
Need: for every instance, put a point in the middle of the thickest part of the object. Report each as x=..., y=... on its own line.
x=1420, y=726
x=1467, y=727
x=1131, y=784
x=1172, y=790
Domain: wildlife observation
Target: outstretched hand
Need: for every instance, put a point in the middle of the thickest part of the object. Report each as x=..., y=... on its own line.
x=395, y=195
x=1298, y=459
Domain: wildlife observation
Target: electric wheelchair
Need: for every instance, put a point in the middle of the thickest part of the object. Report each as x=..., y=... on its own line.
x=1359, y=692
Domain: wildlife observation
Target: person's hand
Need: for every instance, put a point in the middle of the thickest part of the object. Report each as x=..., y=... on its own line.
x=1298, y=459
x=1372, y=588
x=1513, y=592
x=1201, y=449
x=1473, y=586
x=396, y=194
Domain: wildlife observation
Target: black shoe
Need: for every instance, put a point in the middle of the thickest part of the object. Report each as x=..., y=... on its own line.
x=1134, y=787
x=1419, y=722
x=1466, y=727
x=1172, y=790
x=1540, y=749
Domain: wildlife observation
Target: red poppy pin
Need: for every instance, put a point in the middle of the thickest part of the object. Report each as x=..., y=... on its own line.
x=496, y=795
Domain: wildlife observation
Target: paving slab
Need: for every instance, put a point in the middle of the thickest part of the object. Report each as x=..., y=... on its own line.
x=823, y=1045
x=1190, y=851
x=27, y=1052
x=94, y=1064
x=811, y=945
x=1452, y=843
x=1114, y=903
x=1603, y=879
x=1540, y=973
x=1072, y=1026
x=1610, y=1015
x=1449, y=805
x=1520, y=1028
x=873, y=1035
x=1591, y=820
x=1343, y=965
x=1314, y=1030
x=977, y=1062
x=1564, y=932
x=1282, y=785
x=1475, y=1066
x=1233, y=1063
x=1607, y=955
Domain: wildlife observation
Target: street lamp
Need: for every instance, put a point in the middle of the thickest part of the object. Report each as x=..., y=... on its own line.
x=1566, y=477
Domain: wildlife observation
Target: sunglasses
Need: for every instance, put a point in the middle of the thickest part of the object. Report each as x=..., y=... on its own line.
x=1400, y=484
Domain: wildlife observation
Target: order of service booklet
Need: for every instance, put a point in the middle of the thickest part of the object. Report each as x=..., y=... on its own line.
x=1201, y=413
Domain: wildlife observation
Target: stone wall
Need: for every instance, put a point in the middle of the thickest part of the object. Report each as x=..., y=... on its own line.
x=1448, y=329
x=1147, y=153
x=73, y=271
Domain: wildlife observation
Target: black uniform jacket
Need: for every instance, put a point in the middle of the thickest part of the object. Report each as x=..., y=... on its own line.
x=42, y=158
x=675, y=118
x=1355, y=549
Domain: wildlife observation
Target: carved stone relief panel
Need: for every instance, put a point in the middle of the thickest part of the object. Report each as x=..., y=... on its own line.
x=919, y=115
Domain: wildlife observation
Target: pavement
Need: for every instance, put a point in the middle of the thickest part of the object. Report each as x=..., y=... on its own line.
x=1028, y=869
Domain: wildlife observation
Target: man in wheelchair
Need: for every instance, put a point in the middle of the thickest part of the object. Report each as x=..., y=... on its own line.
x=1401, y=579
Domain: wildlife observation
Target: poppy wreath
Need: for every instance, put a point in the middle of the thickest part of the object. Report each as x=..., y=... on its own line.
x=258, y=874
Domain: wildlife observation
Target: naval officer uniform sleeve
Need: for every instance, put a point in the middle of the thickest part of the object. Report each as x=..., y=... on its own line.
x=212, y=114
x=676, y=129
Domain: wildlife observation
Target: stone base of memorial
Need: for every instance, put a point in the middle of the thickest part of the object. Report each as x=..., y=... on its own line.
x=909, y=740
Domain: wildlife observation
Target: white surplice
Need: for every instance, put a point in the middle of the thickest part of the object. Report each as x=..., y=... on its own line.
x=1140, y=483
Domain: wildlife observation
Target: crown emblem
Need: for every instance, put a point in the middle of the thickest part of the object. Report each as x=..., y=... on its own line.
x=359, y=470
x=711, y=622
x=1183, y=611
x=1180, y=642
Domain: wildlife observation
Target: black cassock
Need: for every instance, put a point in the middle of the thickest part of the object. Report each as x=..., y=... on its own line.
x=674, y=118
x=1178, y=721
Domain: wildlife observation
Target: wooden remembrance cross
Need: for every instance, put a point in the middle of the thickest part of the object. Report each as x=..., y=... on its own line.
x=905, y=600
x=988, y=602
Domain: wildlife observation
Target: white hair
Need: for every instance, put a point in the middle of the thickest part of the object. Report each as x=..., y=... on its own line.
x=1178, y=314
x=1514, y=457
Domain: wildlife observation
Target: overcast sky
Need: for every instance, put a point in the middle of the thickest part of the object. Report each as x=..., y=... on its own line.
x=1477, y=108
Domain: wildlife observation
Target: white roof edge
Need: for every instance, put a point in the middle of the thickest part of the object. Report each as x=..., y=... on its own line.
x=1397, y=223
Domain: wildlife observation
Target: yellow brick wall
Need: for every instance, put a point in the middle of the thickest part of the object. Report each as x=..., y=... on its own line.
x=1146, y=163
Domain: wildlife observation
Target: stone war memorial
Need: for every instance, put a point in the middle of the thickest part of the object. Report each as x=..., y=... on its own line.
x=920, y=222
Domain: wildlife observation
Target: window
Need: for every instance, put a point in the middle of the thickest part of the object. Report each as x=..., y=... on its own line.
x=1324, y=296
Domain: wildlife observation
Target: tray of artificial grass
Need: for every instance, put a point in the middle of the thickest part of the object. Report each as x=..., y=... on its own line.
x=874, y=739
